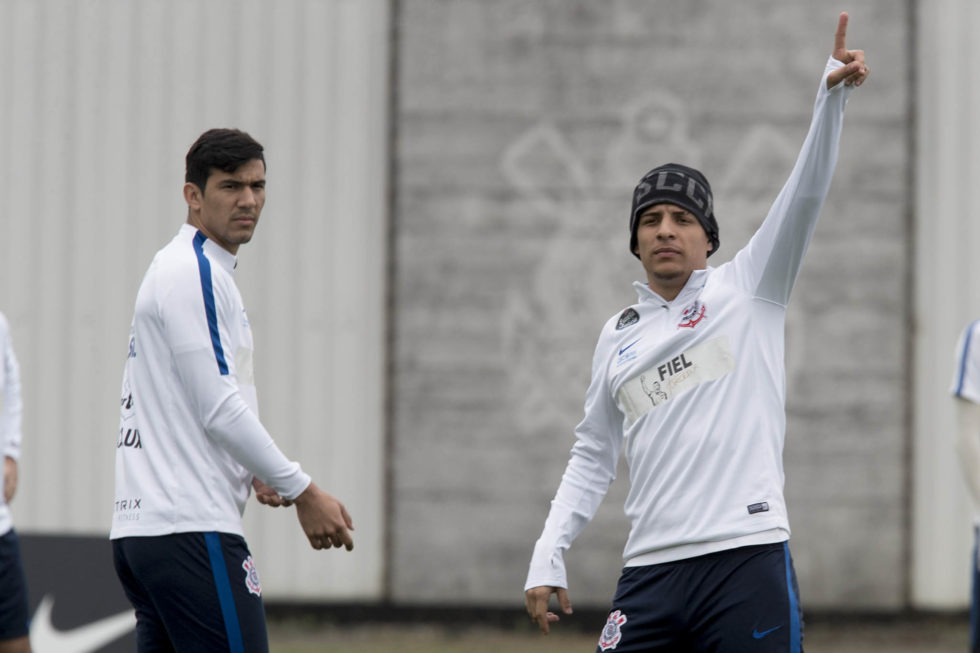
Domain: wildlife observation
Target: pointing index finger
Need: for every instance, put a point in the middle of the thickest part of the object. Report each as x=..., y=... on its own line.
x=840, y=36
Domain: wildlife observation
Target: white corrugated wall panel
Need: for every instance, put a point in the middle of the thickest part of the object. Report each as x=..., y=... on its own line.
x=947, y=292
x=100, y=100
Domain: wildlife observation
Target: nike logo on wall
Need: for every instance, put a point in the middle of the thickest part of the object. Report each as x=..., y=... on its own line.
x=45, y=638
x=628, y=346
x=759, y=635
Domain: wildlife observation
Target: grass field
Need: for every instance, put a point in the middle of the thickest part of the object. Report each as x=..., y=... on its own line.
x=898, y=634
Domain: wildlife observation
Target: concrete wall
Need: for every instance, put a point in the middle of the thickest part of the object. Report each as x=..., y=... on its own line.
x=523, y=125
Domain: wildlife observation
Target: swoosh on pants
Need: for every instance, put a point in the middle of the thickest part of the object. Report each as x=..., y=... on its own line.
x=45, y=638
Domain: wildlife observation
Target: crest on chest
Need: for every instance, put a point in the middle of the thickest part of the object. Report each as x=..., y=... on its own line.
x=693, y=314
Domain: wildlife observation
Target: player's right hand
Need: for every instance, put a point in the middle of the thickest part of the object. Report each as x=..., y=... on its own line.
x=267, y=496
x=856, y=69
x=536, y=602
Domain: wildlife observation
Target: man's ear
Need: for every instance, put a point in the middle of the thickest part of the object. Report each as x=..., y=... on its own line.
x=192, y=195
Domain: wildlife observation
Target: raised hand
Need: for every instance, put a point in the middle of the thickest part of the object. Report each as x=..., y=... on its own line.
x=856, y=70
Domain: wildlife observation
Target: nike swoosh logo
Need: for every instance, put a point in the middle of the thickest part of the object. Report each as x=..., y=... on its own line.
x=757, y=635
x=45, y=638
x=628, y=346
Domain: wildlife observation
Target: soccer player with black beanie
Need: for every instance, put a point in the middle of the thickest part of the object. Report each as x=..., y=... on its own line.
x=690, y=383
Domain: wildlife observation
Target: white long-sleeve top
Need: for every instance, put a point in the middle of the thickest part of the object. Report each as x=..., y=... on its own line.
x=966, y=385
x=966, y=373
x=190, y=438
x=694, y=390
x=10, y=412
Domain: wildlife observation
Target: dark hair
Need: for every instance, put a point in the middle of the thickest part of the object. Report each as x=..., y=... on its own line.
x=222, y=149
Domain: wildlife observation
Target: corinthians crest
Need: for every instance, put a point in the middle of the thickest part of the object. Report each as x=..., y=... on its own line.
x=611, y=634
x=251, y=577
x=692, y=314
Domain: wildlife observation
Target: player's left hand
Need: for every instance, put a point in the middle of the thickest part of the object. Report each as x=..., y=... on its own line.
x=856, y=70
x=324, y=519
x=9, y=478
x=267, y=496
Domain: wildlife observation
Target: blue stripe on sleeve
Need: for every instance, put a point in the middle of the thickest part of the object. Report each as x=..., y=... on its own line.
x=204, y=265
x=964, y=354
x=225, y=598
x=795, y=635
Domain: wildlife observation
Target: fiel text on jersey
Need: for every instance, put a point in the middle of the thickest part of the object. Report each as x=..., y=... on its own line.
x=673, y=366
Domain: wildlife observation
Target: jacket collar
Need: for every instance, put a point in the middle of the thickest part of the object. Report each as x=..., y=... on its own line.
x=694, y=284
x=215, y=252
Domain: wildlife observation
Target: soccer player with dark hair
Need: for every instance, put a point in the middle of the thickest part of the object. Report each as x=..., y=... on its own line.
x=707, y=561
x=14, y=617
x=966, y=390
x=191, y=445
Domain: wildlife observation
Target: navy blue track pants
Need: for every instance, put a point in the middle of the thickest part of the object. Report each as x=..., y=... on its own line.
x=192, y=592
x=743, y=600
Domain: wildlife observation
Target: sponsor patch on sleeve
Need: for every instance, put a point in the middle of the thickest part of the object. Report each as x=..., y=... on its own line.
x=243, y=366
x=627, y=318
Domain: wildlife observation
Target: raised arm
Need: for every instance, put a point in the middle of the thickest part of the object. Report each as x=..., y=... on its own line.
x=768, y=266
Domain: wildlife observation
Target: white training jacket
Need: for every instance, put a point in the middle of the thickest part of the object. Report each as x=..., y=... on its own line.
x=966, y=375
x=966, y=385
x=10, y=411
x=190, y=438
x=694, y=390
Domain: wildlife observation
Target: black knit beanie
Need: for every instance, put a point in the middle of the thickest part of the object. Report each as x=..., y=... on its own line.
x=676, y=184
